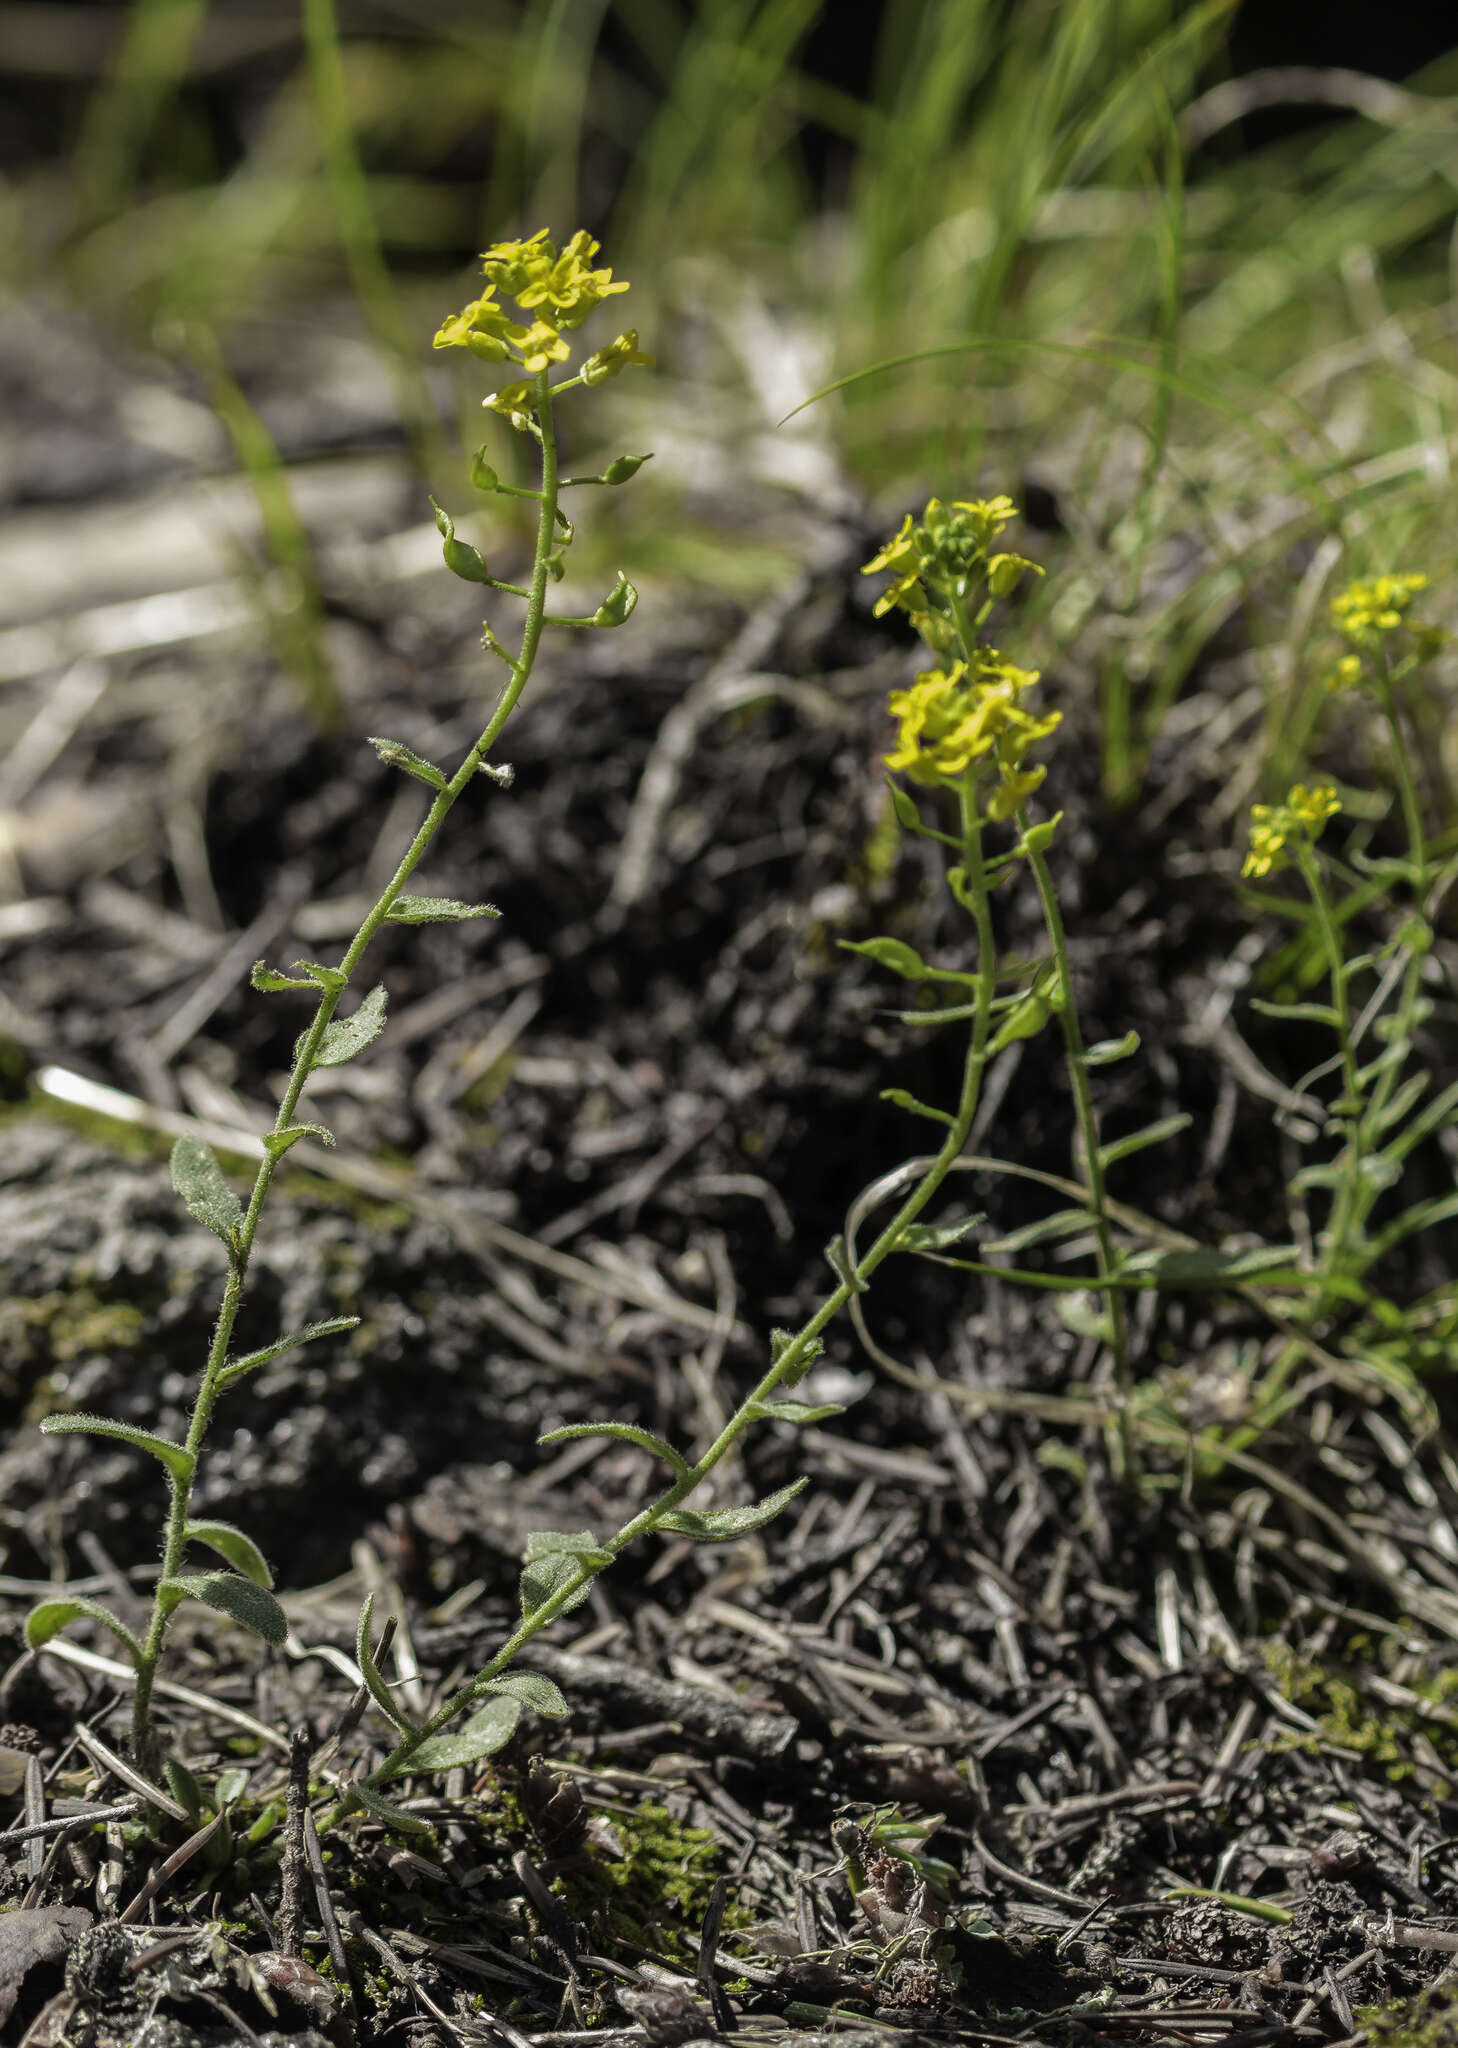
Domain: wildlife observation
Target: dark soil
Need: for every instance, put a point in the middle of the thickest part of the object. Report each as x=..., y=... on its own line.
x=592, y=1163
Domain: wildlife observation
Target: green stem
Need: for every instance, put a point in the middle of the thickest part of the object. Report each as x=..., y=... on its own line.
x=1088, y=1129
x=143, y=1740
x=1346, y=1202
x=792, y=1358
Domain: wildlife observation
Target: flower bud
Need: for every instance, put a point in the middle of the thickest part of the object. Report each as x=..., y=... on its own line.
x=1006, y=572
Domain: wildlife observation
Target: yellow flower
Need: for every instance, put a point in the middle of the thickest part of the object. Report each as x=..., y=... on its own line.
x=902, y=557
x=953, y=718
x=615, y=358
x=557, y=288
x=1274, y=826
x=1374, y=605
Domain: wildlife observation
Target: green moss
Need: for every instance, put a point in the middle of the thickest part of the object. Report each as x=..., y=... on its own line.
x=52, y=1329
x=657, y=1888
x=1428, y=2021
x=1382, y=1733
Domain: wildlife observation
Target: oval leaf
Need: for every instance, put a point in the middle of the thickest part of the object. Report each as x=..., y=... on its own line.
x=935, y=1237
x=51, y=1616
x=625, y=1432
x=198, y=1178
x=240, y=1599
x=436, y=910
x=488, y=1730
x=533, y=1689
x=546, y=1574
x=400, y=756
x=280, y=1345
x=347, y=1036
x=721, y=1525
x=180, y=1463
x=241, y=1551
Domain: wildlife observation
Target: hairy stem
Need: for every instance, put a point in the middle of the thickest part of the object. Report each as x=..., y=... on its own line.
x=787, y=1366
x=175, y=1543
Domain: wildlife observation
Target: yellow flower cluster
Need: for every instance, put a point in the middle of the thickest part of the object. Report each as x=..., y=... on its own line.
x=1374, y=604
x=948, y=542
x=1274, y=826
x=952, y=718
x=557, y=288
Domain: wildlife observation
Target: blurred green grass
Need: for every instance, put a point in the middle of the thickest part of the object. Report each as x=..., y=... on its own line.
x=1240, y=353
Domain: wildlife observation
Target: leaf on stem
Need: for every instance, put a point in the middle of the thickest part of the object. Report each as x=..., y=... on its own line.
x=488, y=1730
x=240, y=1550
x=1206, y=1266
x=240, y=1599
x=375, y=1684
x=935, y=1237
x=1298, y=1013
x=51, y=1616
x=780, y=1342
x=436, y=910
x=791, y=1411
x=271, y=983
x=370, y=1800
x=198, y=1178
x=276, y=1143
x=625, y=1432
x=346, y=1036
x=1140, y=1141
x=838, y=1259
x=180, y=1462
x=553, y=1558
x=722, y=1525
x=536, y=1692
x=239, y=1366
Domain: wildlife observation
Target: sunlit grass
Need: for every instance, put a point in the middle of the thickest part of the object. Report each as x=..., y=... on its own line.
x=1252, y=353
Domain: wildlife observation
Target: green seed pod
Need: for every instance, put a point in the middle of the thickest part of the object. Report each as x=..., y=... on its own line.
x=618, y=605
x=625, y=466
x=460, y=557
x=483, y=476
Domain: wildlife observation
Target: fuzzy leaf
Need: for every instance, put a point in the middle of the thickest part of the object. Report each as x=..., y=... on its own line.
x=780, y=1342
x=179, y=1462
x=1140, y=1141
x=251, y=1363
x=546, y=1571
x=1062, y=1223
x=436, y=910
x=51, y=1616
x=537, y=1693
x=370, y=1800
x=279, y=1142
x=243, y=1601
x=400, y=756
x=330, y=979
x=375, y=1684
x=347, y=1036
x=791, y=1411
x=1297, y=1013
x=241, y=1551
x=721, y=1525
x=198, y=1178
x=625, y=1432
x=269, y=982
x=935, y=1237
x=488, y=1730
